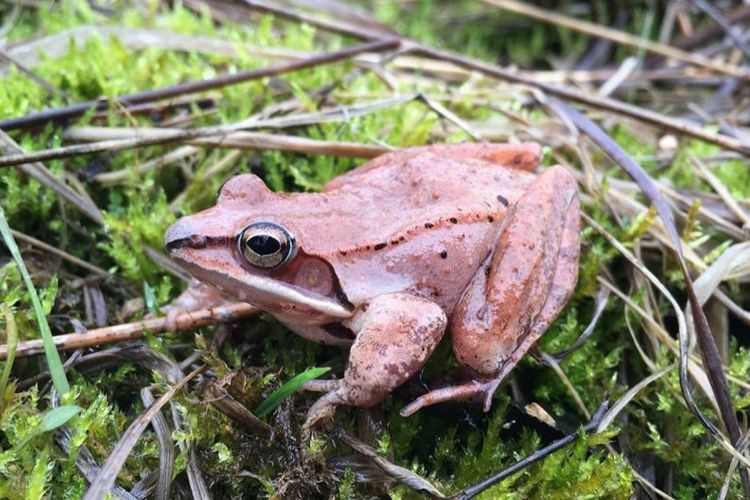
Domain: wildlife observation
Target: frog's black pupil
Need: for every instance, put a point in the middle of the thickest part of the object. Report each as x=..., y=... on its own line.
x=262, y=244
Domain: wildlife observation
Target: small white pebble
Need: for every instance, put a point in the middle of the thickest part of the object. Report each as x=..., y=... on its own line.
x=668, y=144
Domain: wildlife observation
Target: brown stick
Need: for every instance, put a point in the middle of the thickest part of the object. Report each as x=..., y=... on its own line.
x=201, y=137
x=136, y=330
x=75, y=110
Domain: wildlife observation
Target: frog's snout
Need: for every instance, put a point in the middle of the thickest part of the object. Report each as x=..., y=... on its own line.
x=182, y=234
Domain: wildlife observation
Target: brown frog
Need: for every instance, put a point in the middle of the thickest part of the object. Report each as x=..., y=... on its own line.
x=460, y=237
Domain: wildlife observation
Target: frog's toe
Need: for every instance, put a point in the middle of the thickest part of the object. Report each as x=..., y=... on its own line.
x=323, y=409
x=474, y=390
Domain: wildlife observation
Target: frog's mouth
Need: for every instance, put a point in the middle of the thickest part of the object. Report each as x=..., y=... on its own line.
x=213, y=260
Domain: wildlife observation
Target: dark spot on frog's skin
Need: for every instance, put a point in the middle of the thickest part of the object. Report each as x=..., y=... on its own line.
x=402, y=238
x=380, y=246
x=490, y=218
x=518, y=159
x=339, y=331
x=453, y=220
x=429, y=225
x=343, y=252
x=502, y=199
x=443, y=254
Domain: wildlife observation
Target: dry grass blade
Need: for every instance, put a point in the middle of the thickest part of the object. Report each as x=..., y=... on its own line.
x=734, y=263
x=225, y=403
x=33, y=76
x=85, y=462
x=725, y=195
x=166, y=448
x=30, y=53
x=108, y=474
x=555, y=365
x=174, y=156
x=545, y=15
x=709, y=352
x=602, y=298
x=334, y=26
x=722, y=22
x=46, y=178
x=136, y=330
x=63, y=255
x=625, y=399
x=400, y=474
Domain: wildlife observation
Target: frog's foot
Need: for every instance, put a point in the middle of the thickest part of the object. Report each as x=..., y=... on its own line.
x=323, y=409
x=325, y=406
x=481, y=390
x=396, y=334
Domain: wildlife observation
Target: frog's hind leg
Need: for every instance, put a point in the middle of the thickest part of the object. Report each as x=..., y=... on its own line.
x=519, y=291
x=397, y=332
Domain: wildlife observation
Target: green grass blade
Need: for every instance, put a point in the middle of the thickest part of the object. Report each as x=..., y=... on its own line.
x=57, y=417
x=11, y=337
x=285, y=390
x=53, y=357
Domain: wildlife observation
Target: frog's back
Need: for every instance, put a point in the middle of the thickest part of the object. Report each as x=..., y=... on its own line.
x=420, y=222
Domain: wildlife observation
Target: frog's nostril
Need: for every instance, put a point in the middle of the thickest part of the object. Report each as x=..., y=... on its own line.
x=181, y=234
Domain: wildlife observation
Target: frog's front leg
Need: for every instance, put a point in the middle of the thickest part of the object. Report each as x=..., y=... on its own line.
x=396, y=333
x=519, y=290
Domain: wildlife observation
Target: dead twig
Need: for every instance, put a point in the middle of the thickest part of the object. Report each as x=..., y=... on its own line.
x=210, y=136
x=135, y=330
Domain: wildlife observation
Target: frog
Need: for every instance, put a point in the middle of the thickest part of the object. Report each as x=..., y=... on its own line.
x=462, y=238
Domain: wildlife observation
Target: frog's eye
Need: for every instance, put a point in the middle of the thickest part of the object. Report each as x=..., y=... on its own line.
x=265, y=244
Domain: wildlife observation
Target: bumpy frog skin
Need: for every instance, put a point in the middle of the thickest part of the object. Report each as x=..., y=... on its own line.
x=386, y=258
